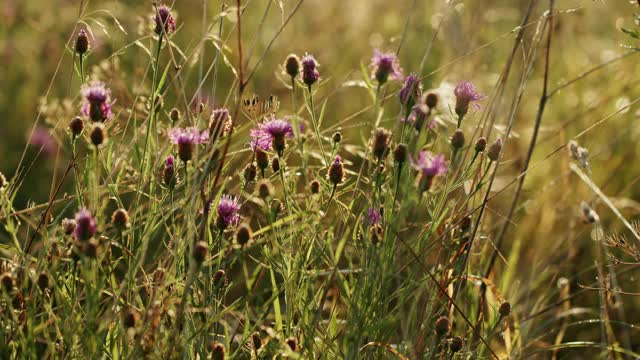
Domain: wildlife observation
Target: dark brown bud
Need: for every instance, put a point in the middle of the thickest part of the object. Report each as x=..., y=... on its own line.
x=243, y=234
x=130, y=318
x=76, y=126
x=456, y=344
x=7, y=282
x=265, y=189
x=256, y=341
x=431, y=100
x=505, y=309
x=292, y=343
x=200, y=252
x=315, y=186
x=43, y=281
x=174, y=115
x=262, y=159
x=337, y=137
x=69, y=226
x=120, y=219
x=217, y=350
x=98, y=136
x=400, y=153
x=494, y=150
x=250, y=172
x=465, y=223
x=292, y=65
x=380, y=141
x=481, y=144
x=336, y=172
x=275, y=164
x=443, y=326
x=457, y=139
x=220, y=279
x=169, y=173
x=185, y=151
x=90, y=248
x=82, y=42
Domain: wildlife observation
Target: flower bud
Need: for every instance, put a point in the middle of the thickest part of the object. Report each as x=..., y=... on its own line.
x=43, y=281
x=82, y=42
x=431, y=100
x=380, y=142
x=243, y=234
x=256, y=341
x=265, y=189
x=220, y=279
x=481, y=144
x=457, y=139
x=400, y=153
x=169, y=172
x=494, y=150
x=456, y=344
x=130, y=318
x=174, y=115
x=336, y=172
x=292, y=65
x=200, y=251
x=376, y=234
x=275, y=164
x=217, y=351
x=7, y=282
x=262, y=159
x=120, y=219
x=250, y=172
x=337, y=137
x=76, y=126
x=98, y=136
x=315, y=187
x=292, y=343
x=69, y=226
x=310, y=74
x=443, y=326
x=505, y=309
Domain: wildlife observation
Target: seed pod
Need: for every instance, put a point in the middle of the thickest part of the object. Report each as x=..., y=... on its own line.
x=174, y=115
x=315, y=187
x=431, y=100
x=494, y=150
x=443, y=326
x=457, y=139
x=200, y=252
x=400, y=153
x=98, y=136
x=76, y=126
x=505, y=309
x=481, y=144
x=265, y=189
x=243, y=234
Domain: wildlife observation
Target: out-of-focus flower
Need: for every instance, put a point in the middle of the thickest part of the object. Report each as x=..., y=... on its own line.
x=42, y=140
x=292, y=65
x=164, y=21
x=373, y=216
x=85, y=225
x=429, y=166
x=410, y=91
x=186, y=139
x=97, y=101
x=384, y=66
x=227, y=211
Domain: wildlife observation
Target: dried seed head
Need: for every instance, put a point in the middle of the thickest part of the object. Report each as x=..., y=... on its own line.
x=400, y=153
x=292, y=343
x=43, y=281
x=220, y=279
x=590, y=216
x=174, y=115
x=457, y=139
x=505, y=309
x=7, y=282
x=262, y=159
x=82, y=42
x=431, y=100
x=120, y=219
x=76, y=126
x=275, y=164
x=494, y=150
x=315, y=186
x=456, y=344
x=200, y=251
x=337, y=137
x=69, y=226
x=336, y=171
x=292, y=65
x=98, y=135
x=265, y=189
x=481, y=144
x=579, y=154
x=243, y=234
x=250, y=172
x=443, y=326
x=130, y=318
x=380, y=142
x=217, y=350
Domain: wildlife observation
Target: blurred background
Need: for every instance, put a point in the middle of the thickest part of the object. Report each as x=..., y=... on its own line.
x=473, y=44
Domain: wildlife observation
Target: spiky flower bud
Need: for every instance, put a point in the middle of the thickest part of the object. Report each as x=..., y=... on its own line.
x=76, y=126
x=250, y=171
x=292, y=65
x=68, y=226
x=98, y=136
x=243, y=234
x=400, y=153
x=456, y=344
x=337, y=137
x=443, y=326
x=82, y=42
x=120, y=219
x=315, y=186
x=380, y=142
x=431, y=100
x=217, y=351
x=200, y=251
x=457, y=139
x=275, y=164
x=505, y=309
x=262, y=159
x=494, y=150
x=481, y=144
x=410, y=91
x=265, y=189
x=164, y=21
x=310, y=72
x=85, y=225
x=336, y=171
x=174, y=115
x=169, y=172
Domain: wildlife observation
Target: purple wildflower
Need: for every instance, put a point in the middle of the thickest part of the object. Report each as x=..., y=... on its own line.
x=385, y=65
x=186, y=139
x=271, y=134
x=309, y=72
x=85, y=225
x=168, y=173
x=97, y=101
x=82, y=42
x=373, y=216
x=164, y=21
x=465, y=94
x=42, y=140
x=227, y=211
x=429, y=166
x=411, y=91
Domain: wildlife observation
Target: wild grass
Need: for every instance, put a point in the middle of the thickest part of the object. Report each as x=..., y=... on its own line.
x=233, y=179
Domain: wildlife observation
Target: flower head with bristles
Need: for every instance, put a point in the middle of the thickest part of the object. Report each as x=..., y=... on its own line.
x=227, y=211
x=85, y=225
x=309, y=72
x=97, y=101
x=271, y=134
x=466, y=94
x=429, y=166
x=384, y=66
x=164, y=21
x=411, y=91
x=186, y=139
x=373, y=216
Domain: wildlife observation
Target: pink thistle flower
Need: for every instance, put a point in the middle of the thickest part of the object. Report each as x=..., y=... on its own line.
x=310, y=74
x=164, y=21
x=97, y=101
x=186, y=139
x=385, y=66
x=429, y=166
x=271, y=134
x=227, y=211
x=85, y=225
x=466, y=94
x=42, y=140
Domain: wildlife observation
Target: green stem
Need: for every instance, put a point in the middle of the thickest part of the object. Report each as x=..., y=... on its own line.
x=315, y=125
